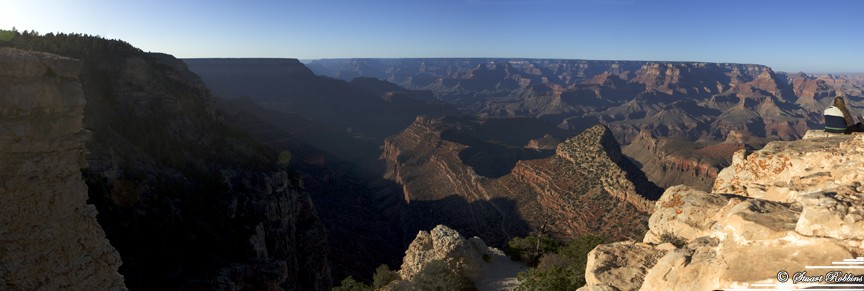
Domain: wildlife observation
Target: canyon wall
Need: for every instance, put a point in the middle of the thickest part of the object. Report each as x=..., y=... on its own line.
x=584, y=186
x=187, y=202
x=692, y=100
x=49, y=236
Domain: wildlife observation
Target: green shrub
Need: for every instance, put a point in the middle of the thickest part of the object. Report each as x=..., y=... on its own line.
x=284, y=158
x=562, y=270
x=383, y=276
x=349, y=284
x=529, y=249
x=555, y=278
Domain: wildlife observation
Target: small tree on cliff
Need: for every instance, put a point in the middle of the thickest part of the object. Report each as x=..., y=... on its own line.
x=383, y=276
x=349, y=284
x=564, y=270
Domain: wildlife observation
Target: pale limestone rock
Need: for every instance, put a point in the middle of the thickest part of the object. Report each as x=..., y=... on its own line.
x=785, y=170
x=755, y=219
x=815, y=133
x=802, y=204
x=597, y=288
x=49, y=237
x=621, y=265
x=489, y=268
x=685, y=212
x=710, y=263
x=838, y=214
x=443, y=243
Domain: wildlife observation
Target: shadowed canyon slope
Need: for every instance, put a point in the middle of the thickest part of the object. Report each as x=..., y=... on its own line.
x=705, y=103
x=674, y=161
x=333, y=130
x=584, y=186
x=49, y=237
x=186, y=201
x=364, y=108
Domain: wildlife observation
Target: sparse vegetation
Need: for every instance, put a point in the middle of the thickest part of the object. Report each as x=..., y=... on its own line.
x=383, y=276
x=284, y=157
x=529, y=249
x=349, y=284
x=561, y=269
x=440, y=275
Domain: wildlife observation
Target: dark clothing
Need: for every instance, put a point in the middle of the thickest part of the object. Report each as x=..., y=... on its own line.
x=834, y=120
x=858, y=127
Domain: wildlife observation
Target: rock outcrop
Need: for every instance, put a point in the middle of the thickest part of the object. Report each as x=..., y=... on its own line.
x=488, y=268
x=49, y=236
x=444, y=243
x=787, y=206
x=585, y=186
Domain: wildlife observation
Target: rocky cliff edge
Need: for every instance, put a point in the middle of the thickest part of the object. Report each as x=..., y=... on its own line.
x=49, y=237
x=790, y=205
x=485, y=267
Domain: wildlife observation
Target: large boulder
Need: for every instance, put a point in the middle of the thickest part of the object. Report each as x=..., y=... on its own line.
x=485, y=267
x=787, y=206
x=443, y=243
x=621, y=265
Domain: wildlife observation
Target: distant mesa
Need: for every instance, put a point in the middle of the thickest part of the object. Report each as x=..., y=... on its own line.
x=697, y=104
x=562, y=90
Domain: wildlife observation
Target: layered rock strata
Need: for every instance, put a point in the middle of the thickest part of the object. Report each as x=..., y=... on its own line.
x=49, y=236
x=785, y=207
x=585, y=186
x=673, y=161
x=691, y=100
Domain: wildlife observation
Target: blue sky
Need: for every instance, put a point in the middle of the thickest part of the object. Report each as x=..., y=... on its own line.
x=812, y=36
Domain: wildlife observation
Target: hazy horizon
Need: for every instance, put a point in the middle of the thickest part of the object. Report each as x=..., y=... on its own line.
x=820, y=37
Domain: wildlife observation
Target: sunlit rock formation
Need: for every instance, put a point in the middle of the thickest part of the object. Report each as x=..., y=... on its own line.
x=789, y=205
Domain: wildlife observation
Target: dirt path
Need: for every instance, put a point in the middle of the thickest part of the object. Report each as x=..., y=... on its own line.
x=500, y=274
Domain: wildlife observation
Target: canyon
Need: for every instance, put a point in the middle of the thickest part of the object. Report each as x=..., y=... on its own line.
x=698, y=104
x=240, y=174
x=186, y=201
x=583, y=186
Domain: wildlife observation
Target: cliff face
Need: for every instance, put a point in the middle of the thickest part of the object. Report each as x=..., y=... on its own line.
x=333, y=130
x=49, y=237
x=674, y=161
x=789, y=205
x=188, y=202
x=585, y=186
x=628, y=96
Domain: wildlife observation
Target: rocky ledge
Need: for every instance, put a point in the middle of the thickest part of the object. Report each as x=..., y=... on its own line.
x=485, y=267
x=49, y=237
x=789, y=205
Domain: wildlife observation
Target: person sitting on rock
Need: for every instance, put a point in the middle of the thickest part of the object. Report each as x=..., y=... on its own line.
x=838, y=119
